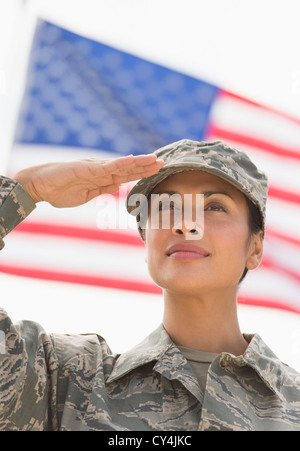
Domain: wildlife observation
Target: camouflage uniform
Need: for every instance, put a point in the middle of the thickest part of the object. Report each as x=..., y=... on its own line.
x=15, y=205
x=75, y=383
x=65, y=382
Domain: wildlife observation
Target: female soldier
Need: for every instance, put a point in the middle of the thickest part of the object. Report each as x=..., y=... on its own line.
x=197, y=371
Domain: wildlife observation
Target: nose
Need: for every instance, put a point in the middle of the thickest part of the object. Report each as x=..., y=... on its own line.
x=190, y=230
x=190, y=223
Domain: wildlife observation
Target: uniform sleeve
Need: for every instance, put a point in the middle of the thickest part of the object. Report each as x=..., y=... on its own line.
x=15, y=206
x=28, y=377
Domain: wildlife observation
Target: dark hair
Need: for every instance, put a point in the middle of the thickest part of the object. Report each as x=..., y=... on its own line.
x=255, y=225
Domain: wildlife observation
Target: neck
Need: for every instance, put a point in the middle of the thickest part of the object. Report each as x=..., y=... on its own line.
x=208, y=324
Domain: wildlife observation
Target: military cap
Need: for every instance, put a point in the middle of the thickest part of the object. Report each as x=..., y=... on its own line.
x=217, y=158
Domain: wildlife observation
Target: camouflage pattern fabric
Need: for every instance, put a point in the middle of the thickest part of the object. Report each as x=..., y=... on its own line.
x=217, y=158
x=75, y=383
x=15, y=205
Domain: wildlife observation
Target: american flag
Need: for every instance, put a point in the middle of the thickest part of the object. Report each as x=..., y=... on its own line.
x=84, y=99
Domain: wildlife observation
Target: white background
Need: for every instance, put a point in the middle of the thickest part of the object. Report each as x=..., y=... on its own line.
x=250, y=47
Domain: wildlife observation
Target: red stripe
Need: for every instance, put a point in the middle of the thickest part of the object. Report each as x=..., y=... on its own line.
x=270, y=264
x=106, y=282
x=259, y=105
x=260, y=144
x=267, y=303
x=121, y=284
x=43, y=228
x=281, y=194
x=282, y=237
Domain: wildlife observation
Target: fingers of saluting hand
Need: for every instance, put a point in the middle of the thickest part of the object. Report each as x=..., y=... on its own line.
x=132, y=164
x=125, y=169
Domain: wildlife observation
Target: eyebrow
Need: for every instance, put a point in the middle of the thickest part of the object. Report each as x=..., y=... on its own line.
x=211, y=193
x=205, y=193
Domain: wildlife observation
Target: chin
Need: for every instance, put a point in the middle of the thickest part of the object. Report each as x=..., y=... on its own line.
x=184, y=285
x=182, y=278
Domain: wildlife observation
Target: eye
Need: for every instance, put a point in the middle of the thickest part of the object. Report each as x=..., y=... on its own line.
x=216, y=207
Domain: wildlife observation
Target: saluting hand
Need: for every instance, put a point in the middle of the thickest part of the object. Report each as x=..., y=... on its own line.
x=70, y=184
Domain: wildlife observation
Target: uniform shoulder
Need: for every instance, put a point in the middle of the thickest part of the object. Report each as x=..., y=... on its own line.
x=73, y=350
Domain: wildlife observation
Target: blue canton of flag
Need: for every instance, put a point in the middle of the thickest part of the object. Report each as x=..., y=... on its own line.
x=82, y=93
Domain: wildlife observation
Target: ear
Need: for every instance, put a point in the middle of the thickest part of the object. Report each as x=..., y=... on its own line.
x=255, y=252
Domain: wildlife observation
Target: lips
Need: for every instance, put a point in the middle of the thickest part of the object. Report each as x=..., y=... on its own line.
x=185, y=251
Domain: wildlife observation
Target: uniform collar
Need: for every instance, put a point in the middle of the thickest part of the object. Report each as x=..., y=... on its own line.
x=263, y=361
x=272, y=371
x=170, y=362
x=150, y=349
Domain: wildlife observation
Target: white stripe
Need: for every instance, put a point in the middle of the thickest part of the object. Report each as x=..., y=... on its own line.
x=26, y=155
x=267, y=284
x=105, y=212
x=75, y=256
x=233, y=114
x=285, y=254
x=283, y=217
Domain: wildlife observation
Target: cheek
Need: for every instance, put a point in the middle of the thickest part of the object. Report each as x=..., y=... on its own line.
x=226, y=231
x=154, y=244
x=230, y=244
x=155, y=256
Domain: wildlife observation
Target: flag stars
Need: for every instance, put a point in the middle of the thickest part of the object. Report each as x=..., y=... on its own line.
x=81, y=93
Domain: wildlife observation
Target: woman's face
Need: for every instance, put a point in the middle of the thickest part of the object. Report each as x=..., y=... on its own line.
x=208, y=261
